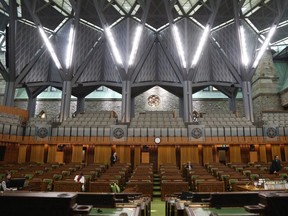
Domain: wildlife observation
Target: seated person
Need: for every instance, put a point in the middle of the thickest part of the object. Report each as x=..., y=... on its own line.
x=276, y=165
x=5, y=184
x=80, y=178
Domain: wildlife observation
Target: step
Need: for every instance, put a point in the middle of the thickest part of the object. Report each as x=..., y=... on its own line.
x=156, y=193
x=156, y=188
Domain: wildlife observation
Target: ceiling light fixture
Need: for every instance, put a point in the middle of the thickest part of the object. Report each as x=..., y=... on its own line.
x=179, y=46
x=264, y=46
x=50, y=48
x=200, y=46
x=113, y=45
x=70, y=47
x=243, y=45
x=135, y=44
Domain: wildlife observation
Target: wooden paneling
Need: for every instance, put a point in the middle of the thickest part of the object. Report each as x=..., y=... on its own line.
x=189, y=153
x=59, y=157
x=37, y=153
x=123, y=153
x=77, y=153
x=137, y=158
x=207, y=153
x=52, y=154
x=262, y=153
x=22, y=154
x=166, y=154
x=275, y=150
x=253, y=156
x=145, y=157
x=235, y=154
x=102, y=154
x=286, y=151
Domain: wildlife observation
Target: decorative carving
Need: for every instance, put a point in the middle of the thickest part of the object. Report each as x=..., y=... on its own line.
x=196, y=133
x=271, y=132
x=118, y=133
x=42, y=132
x=153, y=100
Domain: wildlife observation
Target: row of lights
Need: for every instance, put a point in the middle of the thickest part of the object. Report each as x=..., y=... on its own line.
x=136, y=41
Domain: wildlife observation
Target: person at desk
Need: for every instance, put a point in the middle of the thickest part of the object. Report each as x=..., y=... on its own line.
x=6, y=182
x=80, y=178
x=276, y=165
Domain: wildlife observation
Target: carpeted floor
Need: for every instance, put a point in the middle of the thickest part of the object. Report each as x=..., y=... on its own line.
x=157, y=207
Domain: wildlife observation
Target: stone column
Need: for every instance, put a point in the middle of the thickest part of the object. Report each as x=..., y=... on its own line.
x=187, y=101
x=264, y=87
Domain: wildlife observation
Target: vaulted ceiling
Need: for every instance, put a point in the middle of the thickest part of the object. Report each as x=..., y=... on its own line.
x=157, y=60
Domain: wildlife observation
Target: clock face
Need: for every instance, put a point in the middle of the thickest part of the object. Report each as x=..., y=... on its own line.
x=157, y=140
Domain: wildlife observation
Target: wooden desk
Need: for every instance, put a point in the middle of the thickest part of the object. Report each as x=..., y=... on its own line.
x=37, y=203
x=275, y=203
x=198, y=211
x=135, y=211
x=253, y=188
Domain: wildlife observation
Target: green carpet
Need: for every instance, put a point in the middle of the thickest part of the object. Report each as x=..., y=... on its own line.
x=157, y=207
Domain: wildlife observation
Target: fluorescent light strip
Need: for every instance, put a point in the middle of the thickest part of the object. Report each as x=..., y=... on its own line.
x=50, y=48
x=113, y=45
x=135, y=44
x=1, y=38
x=179, y=45
x=200, y=46
x=70, y=47
x=264, y=46
x=243, y=44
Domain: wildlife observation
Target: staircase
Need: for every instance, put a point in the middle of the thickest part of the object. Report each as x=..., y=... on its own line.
x=156, y=185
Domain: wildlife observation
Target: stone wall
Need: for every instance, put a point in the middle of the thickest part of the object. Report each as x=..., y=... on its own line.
x=264, y=87
x=52, y=107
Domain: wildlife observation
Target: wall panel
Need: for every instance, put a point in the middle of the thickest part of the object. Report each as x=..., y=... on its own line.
x=166, y=154
x=275, y=150
x=123, y=153
x=37, y=153
x=51, y=153
x=262, y=153
x=102, y=154
x=77, y=153
x=207, y=154
x=189, y=153
x=235, y=153
x=22, y=154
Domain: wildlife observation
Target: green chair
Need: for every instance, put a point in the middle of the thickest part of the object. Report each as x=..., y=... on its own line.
x=283, y=175
x=57, y=177
x=66, y=172
x=246, y=172
x=254, y=176
x=39, y=172
x=28, y=176
x=49, y=184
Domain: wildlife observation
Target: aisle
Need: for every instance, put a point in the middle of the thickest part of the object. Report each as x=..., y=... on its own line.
x=157, y=207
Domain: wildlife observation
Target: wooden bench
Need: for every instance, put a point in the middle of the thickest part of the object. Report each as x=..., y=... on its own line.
x=67, y=186
x=210, y=186
x=171, y=187
x=145, y=187
x=101, y=186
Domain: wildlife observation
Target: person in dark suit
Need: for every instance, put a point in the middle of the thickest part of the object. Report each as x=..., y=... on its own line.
x=276, y=165
x=114, y=158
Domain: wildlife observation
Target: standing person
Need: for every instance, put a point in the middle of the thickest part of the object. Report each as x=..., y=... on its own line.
x=80, y=178
x=276, y=165
x=6, y=182
x=114, y=158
